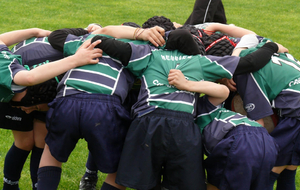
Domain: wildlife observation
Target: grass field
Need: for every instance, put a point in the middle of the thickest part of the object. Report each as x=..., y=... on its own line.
x=278, y=20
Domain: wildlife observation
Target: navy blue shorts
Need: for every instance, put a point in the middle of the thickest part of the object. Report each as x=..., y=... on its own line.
x=286, y=135
x=243, y=160
x=162, y=139
x=16, y=119
x=98, y=118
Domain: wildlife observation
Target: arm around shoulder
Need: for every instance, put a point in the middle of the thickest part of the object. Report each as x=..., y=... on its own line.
x=217, y=93
x=154, y=34
x=86, y=54
x=230, y=30
x=10, y=38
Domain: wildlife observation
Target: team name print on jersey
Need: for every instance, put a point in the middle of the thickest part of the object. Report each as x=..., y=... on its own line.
x=4, y=53
x=174, y=58
x=294, y=82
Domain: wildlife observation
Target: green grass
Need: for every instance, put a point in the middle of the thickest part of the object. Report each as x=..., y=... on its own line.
x=278, y=20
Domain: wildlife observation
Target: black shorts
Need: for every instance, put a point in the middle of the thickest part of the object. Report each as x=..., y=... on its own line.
x=287, y=135
x=242, y=159
x=16, y=119
x=162, y=142
x=98, y=118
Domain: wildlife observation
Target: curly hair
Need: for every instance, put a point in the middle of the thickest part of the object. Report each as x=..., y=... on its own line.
x=41, y=93
x=161, y=21
x=195, y=31
x=197, y=35
x=133, y=24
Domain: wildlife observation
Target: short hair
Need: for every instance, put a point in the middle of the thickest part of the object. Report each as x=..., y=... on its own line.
x=217, y=44
x=197, y=36
x=132, y=24
x=41, y=93
x=193, y=30
x=161, y=21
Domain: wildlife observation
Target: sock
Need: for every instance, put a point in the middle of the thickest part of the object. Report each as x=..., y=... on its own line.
x=91, y=167
x=106, y=186
x=36, y=154
x=48, y=177
x=286, y=180
x=13, y=165
x=273, y=178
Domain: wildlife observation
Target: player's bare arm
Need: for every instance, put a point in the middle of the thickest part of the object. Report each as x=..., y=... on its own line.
x=217, y=92
x=86, y=54
x=10, y=38
x=154, y=35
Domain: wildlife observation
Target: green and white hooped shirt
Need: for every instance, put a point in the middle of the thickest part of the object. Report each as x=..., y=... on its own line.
x=10, y=64
x=153, y=66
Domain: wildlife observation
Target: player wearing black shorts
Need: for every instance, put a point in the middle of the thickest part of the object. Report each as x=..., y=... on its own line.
x=161, y=106
x=14, y=74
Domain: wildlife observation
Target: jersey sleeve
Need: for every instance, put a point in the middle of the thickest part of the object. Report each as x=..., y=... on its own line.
x=57, y=38
x=255, y=102
x=72, y=43
x=10, y=62
x=36, y=50
x=206, y=112
x=219, y=67
x=10, y=65
x=140, y=58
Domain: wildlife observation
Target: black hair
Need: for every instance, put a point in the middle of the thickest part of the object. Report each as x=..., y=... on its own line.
x=161, y=21
x=133, y=24
x=217, y=44
x=195, y=31
x=41, y=93
x=197, y=35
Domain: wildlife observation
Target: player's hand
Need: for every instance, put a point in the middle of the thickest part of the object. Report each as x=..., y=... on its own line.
x=229, y=83
x=281, y=48
x=41, y=32
x=177, y=25
x=154, y=35
x=93, y=27
x=177, y=79
x=88, y=54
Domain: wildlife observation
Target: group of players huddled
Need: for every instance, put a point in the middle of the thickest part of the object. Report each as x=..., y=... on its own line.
x=150, y=101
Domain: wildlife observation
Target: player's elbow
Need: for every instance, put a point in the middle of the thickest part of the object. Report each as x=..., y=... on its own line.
x=224, y=92
x=29, y=80
x=24, y=78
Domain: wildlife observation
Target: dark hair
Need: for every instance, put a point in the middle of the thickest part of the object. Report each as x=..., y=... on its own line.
x=195, y=31
x=217, y=44
x=133, y=24
x=161, y=21
x=41, y=93
x=197, y=35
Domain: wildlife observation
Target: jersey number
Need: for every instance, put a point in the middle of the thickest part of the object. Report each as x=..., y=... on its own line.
x=278, y=61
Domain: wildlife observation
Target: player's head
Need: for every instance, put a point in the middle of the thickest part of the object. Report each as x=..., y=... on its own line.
x=132, y=24
x=193, y=30
x=197, y=36
x=161, y=21
x=200, y=44
x=38, y=94
x=218, y=44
